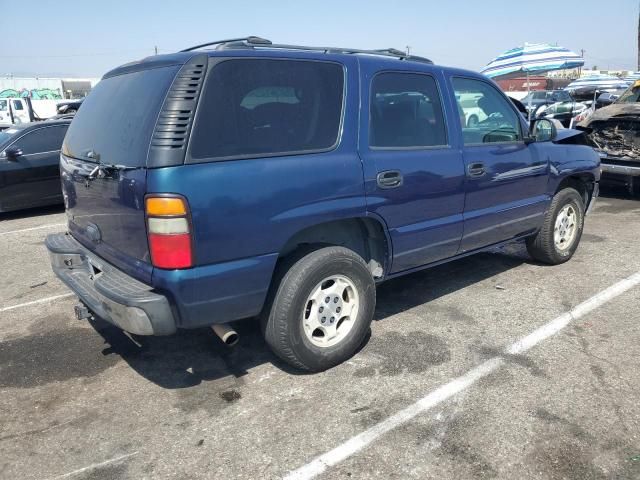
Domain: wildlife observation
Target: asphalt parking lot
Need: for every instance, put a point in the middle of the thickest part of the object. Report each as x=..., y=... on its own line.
x=441, y=390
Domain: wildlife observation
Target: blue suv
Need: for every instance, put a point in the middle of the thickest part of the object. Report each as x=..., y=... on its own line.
x=246, y=179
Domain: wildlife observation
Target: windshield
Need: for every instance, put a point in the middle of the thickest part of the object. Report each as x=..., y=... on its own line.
x=631, y=95
x=561, y=96
x=4, y=137
x=7, y=135
x=117, y=118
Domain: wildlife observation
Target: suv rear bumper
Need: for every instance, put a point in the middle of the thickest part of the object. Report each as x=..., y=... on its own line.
x=108, y=292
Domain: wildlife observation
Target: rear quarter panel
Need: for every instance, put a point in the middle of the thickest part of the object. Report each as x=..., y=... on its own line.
x=244, y=211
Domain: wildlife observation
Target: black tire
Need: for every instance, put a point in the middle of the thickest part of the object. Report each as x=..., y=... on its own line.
x=542, y=247
x=282, y=320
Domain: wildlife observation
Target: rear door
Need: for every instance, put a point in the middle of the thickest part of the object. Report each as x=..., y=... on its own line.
x=506, y=178
x=414, y=176
x=114, y=127
x=33, y=178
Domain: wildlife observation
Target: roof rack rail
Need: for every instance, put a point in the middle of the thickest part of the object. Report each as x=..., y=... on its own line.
x=258, y=42
x=386, y=52
x=253, y=40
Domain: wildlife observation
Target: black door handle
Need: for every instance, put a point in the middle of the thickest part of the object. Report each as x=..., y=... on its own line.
x=389, y=179
x=476, y=169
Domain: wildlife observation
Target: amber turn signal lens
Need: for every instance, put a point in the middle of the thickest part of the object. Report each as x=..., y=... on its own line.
x=159, y=206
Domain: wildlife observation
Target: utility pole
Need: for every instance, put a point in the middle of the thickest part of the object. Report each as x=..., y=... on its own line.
x=408, y=47
x=155, y=49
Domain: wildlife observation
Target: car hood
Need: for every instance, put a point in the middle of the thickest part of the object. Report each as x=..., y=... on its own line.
x=615, y=131
x=568, y=135
x=615, y=110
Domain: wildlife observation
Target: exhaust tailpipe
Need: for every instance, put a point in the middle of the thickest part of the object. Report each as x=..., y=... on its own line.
x=227, y=334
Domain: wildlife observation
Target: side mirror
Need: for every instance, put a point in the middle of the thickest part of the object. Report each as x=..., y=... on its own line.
x=543, y=130
x=13, y=152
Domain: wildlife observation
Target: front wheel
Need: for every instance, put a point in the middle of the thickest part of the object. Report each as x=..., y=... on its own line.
x=322, y=310
x=558, y=239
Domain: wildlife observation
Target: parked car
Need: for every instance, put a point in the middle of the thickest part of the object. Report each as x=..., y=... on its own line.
x=284, y=182
x=473, y=113
x=69, y=107
x=534, y=100
x=615, y=133
x=607, y=98
x=563, y=112
x=29, y=158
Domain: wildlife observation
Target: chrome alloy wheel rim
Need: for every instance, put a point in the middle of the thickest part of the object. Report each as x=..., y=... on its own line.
x=565, y=228
x=330, y=311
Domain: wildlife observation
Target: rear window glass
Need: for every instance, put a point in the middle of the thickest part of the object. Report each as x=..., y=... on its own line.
x=255, y=107
x=117, y=118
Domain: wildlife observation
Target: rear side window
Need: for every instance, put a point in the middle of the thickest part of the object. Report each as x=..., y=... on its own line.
x=48, y=139
x=117, y=118
x=405, y=111
x=255, y=107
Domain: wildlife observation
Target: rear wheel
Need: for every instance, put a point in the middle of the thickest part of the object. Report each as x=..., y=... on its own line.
x=322, y=309
x=558, y=239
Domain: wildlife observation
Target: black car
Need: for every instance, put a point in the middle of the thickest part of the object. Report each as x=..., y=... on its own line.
x=71, y=106
x=29, y=165
x=539, y=98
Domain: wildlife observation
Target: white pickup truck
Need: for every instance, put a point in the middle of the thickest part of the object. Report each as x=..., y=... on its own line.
x=16, y=110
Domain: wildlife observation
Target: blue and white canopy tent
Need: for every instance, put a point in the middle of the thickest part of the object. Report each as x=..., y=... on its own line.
x=532, y=58
x=629, y=79
x=599, y=82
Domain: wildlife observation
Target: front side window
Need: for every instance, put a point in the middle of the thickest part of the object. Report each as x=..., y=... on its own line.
x=17, y=105
x=496, y=120
x=405, y=112
x=256, y=107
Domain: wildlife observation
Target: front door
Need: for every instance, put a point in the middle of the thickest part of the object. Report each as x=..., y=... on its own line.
x=414, y=177
x=506, y=177
x=33, y=178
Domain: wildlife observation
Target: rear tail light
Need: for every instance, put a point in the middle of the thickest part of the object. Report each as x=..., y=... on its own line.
x=169, y=232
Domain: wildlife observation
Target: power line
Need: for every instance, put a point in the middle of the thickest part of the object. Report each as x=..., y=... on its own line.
x=71, y=55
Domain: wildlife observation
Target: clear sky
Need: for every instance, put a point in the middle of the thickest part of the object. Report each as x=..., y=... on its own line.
x=87, y=38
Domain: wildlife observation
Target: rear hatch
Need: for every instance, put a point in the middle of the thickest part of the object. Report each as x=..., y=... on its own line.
x=104, y=164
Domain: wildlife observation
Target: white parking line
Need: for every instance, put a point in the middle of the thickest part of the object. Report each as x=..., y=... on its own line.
x=35, y=302
x=95, y=465
x=34, y=228
x=362, y=440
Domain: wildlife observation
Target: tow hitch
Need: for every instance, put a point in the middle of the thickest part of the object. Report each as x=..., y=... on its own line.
x=82, y=312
